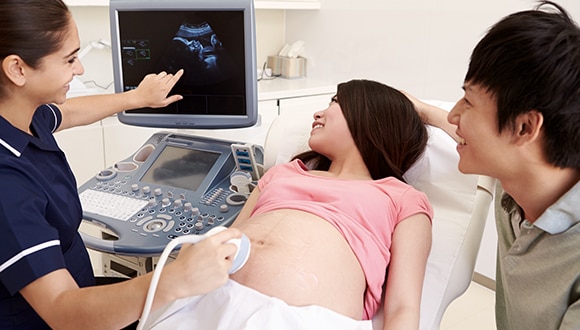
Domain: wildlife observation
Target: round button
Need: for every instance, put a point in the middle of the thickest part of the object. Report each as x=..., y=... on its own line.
x=154, y=225
x=106, y=174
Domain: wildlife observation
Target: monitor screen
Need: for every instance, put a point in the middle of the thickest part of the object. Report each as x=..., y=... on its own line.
x=180, y=167
x=213, y=41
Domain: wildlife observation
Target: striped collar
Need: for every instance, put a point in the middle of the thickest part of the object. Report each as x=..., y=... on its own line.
x=13, y=139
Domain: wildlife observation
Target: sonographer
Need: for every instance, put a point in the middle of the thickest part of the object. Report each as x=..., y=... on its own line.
x=46, y=279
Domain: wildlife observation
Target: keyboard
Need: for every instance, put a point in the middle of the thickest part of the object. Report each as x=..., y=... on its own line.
x=110, y=205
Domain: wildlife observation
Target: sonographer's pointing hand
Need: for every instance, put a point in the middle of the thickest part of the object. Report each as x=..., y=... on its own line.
x=153, y=90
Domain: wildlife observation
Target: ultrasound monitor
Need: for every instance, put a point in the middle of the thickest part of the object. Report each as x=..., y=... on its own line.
x=212, y=40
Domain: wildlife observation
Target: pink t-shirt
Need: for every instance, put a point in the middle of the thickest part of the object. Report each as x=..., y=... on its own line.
x=364, y=211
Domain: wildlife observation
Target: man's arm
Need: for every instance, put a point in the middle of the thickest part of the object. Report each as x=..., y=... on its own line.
x=152, y=92
x=433, y=115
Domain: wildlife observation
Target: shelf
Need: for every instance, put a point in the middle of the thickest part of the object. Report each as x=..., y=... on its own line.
x=258, y=4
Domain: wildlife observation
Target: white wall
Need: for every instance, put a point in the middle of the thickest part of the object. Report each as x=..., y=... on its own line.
x=93, y=24
x=422, y=46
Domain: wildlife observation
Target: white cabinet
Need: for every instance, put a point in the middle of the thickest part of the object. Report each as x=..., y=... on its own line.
x=305, y=106
x=299, y=97
x=268, y=111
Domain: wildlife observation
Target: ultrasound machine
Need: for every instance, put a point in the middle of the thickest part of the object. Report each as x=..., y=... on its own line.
x=177, y=184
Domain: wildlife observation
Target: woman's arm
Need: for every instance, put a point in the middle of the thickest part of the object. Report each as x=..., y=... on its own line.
x=152, y=92
x=409, y=251
x=198, y=269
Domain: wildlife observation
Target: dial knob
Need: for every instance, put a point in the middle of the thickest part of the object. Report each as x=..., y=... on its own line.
x=198, y=226
x=165, y=202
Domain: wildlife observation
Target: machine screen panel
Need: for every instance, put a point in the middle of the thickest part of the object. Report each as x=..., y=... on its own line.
x=181, y=167
x=212, y=41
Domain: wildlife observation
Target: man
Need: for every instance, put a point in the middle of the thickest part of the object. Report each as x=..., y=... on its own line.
x=519, y=122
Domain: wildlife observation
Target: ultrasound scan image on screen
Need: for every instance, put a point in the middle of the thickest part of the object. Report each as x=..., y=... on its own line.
x=197, y=48
x=181, y=168
x=207, y=45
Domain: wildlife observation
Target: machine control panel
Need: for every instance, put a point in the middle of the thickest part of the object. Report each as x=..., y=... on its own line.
x=173, y=185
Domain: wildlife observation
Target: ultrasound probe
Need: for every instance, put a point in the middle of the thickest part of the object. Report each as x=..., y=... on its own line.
x=240, y=258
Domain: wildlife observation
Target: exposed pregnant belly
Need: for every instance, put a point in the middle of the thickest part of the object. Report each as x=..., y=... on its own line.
x=303, y=260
